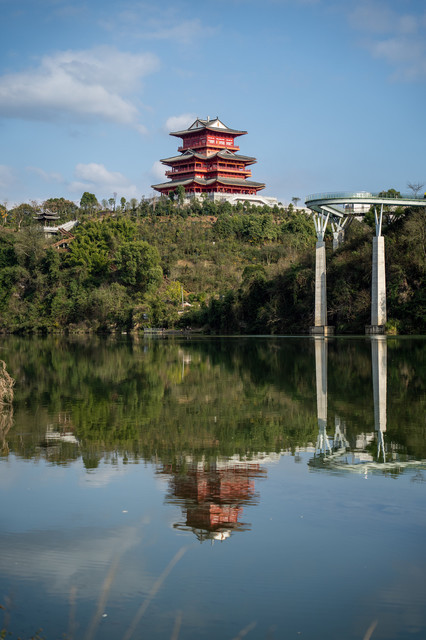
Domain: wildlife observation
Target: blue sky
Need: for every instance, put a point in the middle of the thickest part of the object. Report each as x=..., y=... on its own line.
x=331, y=92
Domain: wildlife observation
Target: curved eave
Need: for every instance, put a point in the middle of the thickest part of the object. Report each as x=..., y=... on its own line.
x=237, y=183
x=201, y=156
x=178, y=183
x=234, y=156
x=206, y=183
x=187, y=132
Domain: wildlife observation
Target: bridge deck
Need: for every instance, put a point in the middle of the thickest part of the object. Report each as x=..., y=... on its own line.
x=362, y=197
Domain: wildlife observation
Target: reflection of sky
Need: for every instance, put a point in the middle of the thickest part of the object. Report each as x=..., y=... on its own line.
x=46, y=496
x=315, y=539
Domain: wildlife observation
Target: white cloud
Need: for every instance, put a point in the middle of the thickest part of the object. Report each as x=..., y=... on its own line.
x=96, y=178
x=52, y=176
x=398, y=39
x=157, y=23
x=406, y=55
x=183, y=32
x=6, y=176
x=177, y=123
x=158, y=171
x=78, y=85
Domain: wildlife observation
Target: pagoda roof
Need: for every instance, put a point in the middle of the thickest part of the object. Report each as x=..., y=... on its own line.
x=211, y=125
x=239, y=182
x=223, y=153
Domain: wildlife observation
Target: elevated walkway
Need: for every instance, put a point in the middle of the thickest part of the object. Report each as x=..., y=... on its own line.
x=337, y=208
x=336, y=200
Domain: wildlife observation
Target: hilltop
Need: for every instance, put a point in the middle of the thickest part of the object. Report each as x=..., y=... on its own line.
x=240, y=269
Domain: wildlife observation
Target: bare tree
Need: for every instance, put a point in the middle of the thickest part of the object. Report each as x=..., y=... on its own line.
x=415, y=187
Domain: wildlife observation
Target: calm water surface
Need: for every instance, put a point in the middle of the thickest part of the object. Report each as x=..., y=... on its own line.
x=204, y=488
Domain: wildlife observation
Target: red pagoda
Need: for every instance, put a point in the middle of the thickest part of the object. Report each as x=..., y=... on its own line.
x=209, y=163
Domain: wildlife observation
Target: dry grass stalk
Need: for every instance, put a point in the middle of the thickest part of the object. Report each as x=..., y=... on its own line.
x=155, y=589
x=6, y=385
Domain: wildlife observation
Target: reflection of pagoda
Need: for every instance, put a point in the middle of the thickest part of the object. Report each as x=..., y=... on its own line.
x=212, y=495
x=209, y=162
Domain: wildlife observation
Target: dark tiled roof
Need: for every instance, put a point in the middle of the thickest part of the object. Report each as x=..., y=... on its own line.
x=207, y=124
x=177, y=183
x=203, y=182
x=226, y=155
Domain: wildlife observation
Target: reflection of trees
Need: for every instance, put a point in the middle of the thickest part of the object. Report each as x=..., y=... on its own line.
x=212, y=494
x=201, y=397
x=147, y=398
x=6, y=422
x=6, y=410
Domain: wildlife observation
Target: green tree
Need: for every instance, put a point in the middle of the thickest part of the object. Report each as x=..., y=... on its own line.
x=109, y=306
x=61, y=207
x=89, y=202
x=23, y=215
x=138, y=265
x=180, y=195
x=3, y=214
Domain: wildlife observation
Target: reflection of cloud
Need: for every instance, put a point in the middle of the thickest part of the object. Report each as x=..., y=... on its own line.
x=58, y=562
x=104, y=475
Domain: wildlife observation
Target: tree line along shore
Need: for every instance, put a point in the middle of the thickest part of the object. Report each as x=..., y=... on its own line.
x=217, y=268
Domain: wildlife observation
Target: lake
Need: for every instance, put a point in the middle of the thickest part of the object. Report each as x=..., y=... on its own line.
x=214, y=488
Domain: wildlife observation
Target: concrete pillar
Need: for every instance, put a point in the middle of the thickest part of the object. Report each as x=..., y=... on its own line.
x=320, y=322
x=320, y=285
x=320, y=327
x=379, y=371
x=378, y=288
x=336, y=240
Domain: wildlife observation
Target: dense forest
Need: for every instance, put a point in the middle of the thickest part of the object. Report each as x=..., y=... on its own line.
x=214, y=267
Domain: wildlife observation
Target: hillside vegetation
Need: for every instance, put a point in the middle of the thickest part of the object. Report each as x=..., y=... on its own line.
x=237, y=269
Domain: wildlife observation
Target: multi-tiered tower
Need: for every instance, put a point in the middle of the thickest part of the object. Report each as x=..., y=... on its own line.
x=209, y=163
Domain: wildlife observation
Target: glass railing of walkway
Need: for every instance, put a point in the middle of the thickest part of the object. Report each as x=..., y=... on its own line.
x=360, y=195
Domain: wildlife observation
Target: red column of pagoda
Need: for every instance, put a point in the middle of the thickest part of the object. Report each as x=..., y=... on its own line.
x=209, y=162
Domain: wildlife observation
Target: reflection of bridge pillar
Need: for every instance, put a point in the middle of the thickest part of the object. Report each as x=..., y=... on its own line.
x=320, y=315
x=321, y=381
x=379, y=369
x=378, y=283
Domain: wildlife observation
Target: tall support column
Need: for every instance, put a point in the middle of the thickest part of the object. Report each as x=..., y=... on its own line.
x=320, y=314
x=320, y=285
x=379, y=370
x=337, y=226
x=378, y=280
